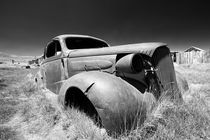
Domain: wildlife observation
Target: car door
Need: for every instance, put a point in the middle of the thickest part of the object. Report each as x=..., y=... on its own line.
x=53, y=66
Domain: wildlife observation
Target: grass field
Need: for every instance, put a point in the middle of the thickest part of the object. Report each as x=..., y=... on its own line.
x=28, y=112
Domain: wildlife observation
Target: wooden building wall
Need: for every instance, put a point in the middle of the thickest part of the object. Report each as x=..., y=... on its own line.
x=192, y=57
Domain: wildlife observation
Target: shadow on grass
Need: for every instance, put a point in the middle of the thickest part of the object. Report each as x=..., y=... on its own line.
x=6, y=133
x=2, y=84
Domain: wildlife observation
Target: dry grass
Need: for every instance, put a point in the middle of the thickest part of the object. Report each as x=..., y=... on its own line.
x=187, y=120
x=190, y=120
x=9, y=99
x=33, y=115
x=27, y=112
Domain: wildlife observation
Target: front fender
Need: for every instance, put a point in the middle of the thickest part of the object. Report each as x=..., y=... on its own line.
x=119, y=104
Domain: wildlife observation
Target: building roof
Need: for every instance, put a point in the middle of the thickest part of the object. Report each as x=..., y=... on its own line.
x=193, y=49
x=173, y=52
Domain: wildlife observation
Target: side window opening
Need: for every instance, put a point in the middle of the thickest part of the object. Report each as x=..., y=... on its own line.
x=53, y=49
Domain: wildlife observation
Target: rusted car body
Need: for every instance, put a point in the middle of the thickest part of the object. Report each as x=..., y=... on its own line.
x=115, y=86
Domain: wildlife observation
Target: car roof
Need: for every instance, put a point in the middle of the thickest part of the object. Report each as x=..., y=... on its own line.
x=64, y=36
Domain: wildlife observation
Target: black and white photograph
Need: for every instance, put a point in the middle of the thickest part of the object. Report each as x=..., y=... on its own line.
x=104, y=70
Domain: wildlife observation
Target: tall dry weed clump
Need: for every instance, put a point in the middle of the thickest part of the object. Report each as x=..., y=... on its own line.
x=34, y=111
x=190, y=120
x=187, y=120
x=174, y=120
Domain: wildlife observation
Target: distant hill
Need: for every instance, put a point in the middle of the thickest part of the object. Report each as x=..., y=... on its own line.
x=5, y=57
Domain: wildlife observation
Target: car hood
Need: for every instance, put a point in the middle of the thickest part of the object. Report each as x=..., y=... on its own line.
x=144, y=48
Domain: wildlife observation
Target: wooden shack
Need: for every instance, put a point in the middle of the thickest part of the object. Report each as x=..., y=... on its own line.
x=191, y=55
x=194, y=55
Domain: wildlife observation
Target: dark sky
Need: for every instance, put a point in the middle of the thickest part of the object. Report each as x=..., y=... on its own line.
x=27, y=25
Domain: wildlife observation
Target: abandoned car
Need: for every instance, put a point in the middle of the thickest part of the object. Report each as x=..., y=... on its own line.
x=116, y=86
